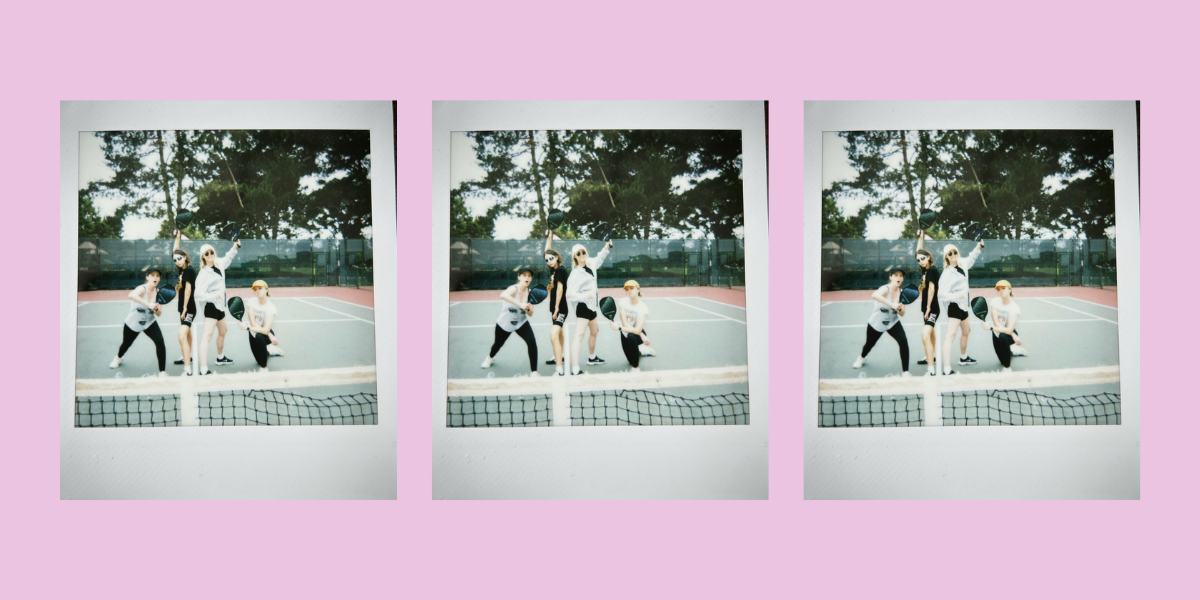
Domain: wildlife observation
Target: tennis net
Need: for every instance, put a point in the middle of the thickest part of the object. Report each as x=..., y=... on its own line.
x=711, y=396
x=340, y=396
x=1087, y=396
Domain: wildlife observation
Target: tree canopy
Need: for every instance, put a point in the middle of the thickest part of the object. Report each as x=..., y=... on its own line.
x=629, y=180
x=274, y=184
x=994, y=177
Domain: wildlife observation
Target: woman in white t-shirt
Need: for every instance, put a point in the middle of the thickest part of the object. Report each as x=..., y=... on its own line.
x=954, y=291
x=259, y=320
x=582, y=298
x=632, y=313
x=210, y=300
x=514, y=316
x=1003, y=313
x=143, y=308
x=885, y=317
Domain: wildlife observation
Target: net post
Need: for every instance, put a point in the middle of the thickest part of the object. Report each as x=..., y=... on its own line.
x=189, y=405
x=561, y=403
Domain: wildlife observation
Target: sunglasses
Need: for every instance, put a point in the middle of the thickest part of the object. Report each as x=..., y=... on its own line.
x=581, y=253
x=952, y=253
x=178, y=258
x=549, y=259
x=210, y=253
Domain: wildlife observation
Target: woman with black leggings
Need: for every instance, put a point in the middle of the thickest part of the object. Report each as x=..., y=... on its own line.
x=143, y=309
x=259, y=318
x=1003, y=313
x=885, y=316
x=514, y=316
x=631, y=316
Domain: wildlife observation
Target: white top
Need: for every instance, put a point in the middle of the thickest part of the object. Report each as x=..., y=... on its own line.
x=1005, y=313
x=632, y=312
x=512, y=318
x=258, y=315
x=210, y=285
x=953, y=285
x=581, y=284
x=884, y=317
x=140, y=317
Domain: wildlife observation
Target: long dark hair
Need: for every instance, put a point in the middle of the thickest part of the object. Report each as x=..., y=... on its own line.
x=926, y=254
x=187, y=262
x=558, y=261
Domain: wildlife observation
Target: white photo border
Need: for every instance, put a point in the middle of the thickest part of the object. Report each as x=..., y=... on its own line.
x=326, y=462
x=1047, y=462
x=702, y=462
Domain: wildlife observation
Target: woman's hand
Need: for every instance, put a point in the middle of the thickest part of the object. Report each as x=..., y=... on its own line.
x=609, y=245
x=900, y=309
x=274, y=340
x=157, y=308
x=645, y=340
x=237, y=244
x=528, y=310
x=613, y=325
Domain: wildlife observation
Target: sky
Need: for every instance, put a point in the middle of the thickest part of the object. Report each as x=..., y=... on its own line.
x=92, y=167
x=835, y=166
x=464, y=167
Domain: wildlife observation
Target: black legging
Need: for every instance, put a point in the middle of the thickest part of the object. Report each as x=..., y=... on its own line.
x=152, y=332
x=1002, y=343
x=526, y=333
x=629, y=344
x=258, y=346
x=897, y=333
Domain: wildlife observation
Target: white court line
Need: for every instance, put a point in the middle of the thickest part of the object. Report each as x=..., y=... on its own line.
x=337, y=300
x=1075, y=310
x=1094, y=303
x=333, y=311
x=453, y=304
x=272, y=299
x=82, y=304
x=824, y=304
x=715, y=301
x=657, y=321
x=703, y=310
x=919, y=324
x=281, y=321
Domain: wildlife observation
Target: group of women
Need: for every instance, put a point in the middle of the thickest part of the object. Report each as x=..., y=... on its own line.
x=575, y=292
x=949, y=287
x=199, y=293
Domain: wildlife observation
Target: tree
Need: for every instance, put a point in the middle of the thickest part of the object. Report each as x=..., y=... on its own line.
x=463, y=225
x=91, y=224
x=834, y=224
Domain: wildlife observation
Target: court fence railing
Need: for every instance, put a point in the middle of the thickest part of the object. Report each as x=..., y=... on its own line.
x=857, y=264
x=110, y=264
x=480, y=264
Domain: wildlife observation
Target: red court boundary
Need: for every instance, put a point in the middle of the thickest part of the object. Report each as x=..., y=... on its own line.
x=736, y=297
x=1106, y=297
x=362, y=297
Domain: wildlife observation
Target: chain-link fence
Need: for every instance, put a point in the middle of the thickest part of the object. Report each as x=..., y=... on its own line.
x=106, y=264
x=492, y=264
x=854, y=264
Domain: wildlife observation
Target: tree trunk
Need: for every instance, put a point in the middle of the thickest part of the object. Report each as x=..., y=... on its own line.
x=166, y=181
x=537, y=177
x=912, y=201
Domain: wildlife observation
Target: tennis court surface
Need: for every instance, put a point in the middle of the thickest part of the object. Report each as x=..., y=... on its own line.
x=1071, y=375
x=698, y=375
x=326, y=376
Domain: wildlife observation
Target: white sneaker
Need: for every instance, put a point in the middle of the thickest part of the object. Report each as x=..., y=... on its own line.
x=263, y=370
x=1007, y=370
x=906, y=374
x=116, y=362
x=534, y=374
x=1018, y=351
x=858, y=363
x=162, y=374
x=647, y=350
x=274, y=350
x=186, y=373
x=487, y=363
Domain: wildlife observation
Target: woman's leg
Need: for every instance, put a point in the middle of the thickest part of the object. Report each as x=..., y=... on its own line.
x=965, y=326
x=185, y=346
x=1002, y=344
x=127, y=337
x=556, y=342
x=526, y=333
x=629, y=344
x=952, y=329
x=872, y=337
x=258, y=347
x=594, y=329
x=499, y=338
x=581, y=328
x=897, y=333
x=154, y=332
x=221, y=329
x=929, y=339
x=209, y=325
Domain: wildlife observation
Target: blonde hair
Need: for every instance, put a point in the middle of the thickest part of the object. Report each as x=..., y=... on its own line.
x=574, y=259
x=946, y=255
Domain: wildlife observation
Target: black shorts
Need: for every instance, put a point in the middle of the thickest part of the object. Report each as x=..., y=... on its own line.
x=212, y=312
x=560, y=318
x=186, y=319
x=954, y=312
x=934, y=313
x=583, y=312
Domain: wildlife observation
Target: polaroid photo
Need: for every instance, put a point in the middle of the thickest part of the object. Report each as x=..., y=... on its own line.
x=220, y=266
x=591, y=262
x=962, y=272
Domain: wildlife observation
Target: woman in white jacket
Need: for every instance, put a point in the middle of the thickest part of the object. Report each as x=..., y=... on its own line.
x=210, y=295
x=582, y=297
x=954, y=292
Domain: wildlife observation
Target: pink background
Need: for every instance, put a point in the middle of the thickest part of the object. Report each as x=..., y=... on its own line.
x=616, y=50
